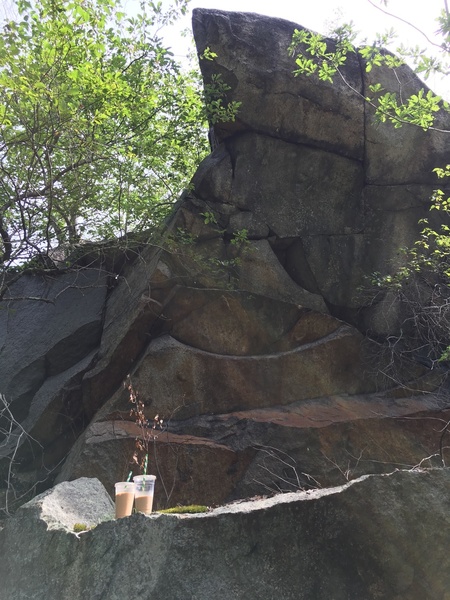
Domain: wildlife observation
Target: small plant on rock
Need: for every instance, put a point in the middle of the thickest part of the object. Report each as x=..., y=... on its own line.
x=79, y=527
x=147, y=431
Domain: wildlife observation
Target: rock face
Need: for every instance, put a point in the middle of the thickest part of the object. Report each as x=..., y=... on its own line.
x=339, y=193
x=80, y=502
x=376, y=537
x=243, y=328
x=49, y=336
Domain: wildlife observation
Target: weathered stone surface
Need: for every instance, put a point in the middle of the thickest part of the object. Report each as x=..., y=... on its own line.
x=83, y=501
x=230, y=322
x=376, y=537
x=37, y=339
x=214, y=458
x=344, y=208
x=213, y=178
x=330, y=366
x=409, y=154
x=252, y=58
x=54, y=420
x=47, y=342
x=260, y=272
x=130, y=312
x=254, y=226
x=283, y=185
x=251, y=347
x=190, y=469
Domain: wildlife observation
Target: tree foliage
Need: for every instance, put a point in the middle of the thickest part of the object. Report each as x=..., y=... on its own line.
x=422, y=284
x=316, y=55
x=100, y=127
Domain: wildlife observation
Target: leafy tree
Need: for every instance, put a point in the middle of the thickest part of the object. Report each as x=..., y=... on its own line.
x=100, y=127
x=427, y=264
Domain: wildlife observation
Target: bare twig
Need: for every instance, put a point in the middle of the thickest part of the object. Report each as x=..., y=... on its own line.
x=13, y=433
x=389, y=14
x=280, y=482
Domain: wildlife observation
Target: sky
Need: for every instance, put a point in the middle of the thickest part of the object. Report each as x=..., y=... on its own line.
x=317, y=14
x=322, y=15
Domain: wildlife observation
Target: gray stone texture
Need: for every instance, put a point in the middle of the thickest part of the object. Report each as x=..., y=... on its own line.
x=310, y=162
x=50, y=327
x=252, y=59
x=375, y=537
x=253, y=351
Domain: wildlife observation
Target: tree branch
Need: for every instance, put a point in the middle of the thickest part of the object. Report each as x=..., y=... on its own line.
x=7, y=244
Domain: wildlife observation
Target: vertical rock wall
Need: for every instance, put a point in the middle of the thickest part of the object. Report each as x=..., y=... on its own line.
x=251, y=346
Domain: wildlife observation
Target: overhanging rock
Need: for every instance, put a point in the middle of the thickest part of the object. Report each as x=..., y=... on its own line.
x=255, y=348
x=244, y=327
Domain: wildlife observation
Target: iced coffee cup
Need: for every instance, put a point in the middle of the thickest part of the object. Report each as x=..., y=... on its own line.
x=124, y=499
x=145, y=485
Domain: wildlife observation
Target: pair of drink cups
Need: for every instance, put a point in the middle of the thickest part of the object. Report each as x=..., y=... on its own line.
x=138, y=492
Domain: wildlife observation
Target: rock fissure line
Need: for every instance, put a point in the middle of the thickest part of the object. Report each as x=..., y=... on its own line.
x=343, y=331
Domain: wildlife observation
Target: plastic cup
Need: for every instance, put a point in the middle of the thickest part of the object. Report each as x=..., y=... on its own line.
x=124, y=498
x=145, y=485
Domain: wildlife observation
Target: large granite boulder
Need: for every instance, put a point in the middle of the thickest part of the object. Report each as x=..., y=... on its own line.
x=243, y=327
x=376, y=537
x=340, y=193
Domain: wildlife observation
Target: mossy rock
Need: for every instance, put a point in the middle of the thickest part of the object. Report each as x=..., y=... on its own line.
x=79, y=527
x=180, y=510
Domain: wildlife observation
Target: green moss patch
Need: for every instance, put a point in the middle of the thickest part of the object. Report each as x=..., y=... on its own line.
x=181, y=510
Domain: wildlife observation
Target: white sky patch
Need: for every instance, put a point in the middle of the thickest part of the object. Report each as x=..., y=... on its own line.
x=324, y=15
